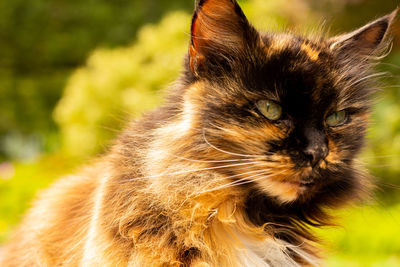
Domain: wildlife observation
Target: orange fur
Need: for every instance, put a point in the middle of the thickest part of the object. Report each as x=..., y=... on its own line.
x=311, y=52
x=206, y=180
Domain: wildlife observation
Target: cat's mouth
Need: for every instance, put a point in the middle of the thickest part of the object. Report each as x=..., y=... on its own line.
x=289, y=188
x=301, y=185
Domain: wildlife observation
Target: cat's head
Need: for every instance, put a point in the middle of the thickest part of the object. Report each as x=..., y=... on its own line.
x=286, y=112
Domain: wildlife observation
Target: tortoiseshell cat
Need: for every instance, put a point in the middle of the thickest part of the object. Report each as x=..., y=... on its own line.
x=259, y=138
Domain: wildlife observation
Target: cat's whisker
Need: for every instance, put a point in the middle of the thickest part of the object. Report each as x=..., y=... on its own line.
x=260, y=178
x=385, y=54
x=235, y=175
x=241, y=181
x=381, y=156
x=227, y=152
x=275, y=174
x=230, y=184
x=389, y=185
x=390, y=65
x=381, y=166
x=390, y=86
x=209, y=161
x=261, y=94
x=189, y=171
x=379, y=74
x=244, y=180
x=240, y=174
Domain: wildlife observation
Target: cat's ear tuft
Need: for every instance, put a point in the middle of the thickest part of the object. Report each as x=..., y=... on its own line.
x=367, y=40
x=219, y=30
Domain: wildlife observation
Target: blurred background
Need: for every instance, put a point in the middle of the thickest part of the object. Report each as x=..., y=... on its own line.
x=72, y=73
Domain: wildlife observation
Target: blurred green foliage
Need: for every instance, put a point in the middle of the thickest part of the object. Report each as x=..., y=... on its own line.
x=119, y=84
x=41, y=42
x=110, y=74
x=363, y=220
x=368, y=237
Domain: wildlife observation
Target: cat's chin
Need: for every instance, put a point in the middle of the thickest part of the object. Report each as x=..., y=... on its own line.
x=286, y=191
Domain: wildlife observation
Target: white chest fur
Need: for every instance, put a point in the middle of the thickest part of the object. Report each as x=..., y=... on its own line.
x=246, y=248
x=263, y=253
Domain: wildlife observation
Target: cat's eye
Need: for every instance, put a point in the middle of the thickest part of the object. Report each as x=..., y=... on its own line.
x=337, y=118
x=270, y=109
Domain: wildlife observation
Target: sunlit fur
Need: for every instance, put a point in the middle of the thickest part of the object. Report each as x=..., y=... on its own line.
x=206, y=179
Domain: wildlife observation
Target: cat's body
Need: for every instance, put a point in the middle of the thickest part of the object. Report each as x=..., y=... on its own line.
x=258, y=138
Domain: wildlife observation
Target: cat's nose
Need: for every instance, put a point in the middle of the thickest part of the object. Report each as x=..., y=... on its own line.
x=316, y=153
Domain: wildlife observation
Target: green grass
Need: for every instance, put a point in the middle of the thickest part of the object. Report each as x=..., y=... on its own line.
x=368, y=236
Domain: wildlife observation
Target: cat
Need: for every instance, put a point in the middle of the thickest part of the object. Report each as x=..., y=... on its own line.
x=258, y=139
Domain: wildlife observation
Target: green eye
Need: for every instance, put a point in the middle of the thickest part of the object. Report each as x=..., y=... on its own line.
x=337, y=118
x=269, y=109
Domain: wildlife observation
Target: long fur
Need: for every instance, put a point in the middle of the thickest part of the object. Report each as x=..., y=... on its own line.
x=206, y=180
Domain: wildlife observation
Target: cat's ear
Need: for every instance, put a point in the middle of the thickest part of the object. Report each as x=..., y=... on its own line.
x=365, y=41
x=219, y=31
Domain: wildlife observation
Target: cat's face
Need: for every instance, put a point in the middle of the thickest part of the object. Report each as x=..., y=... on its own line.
x=288, y=112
